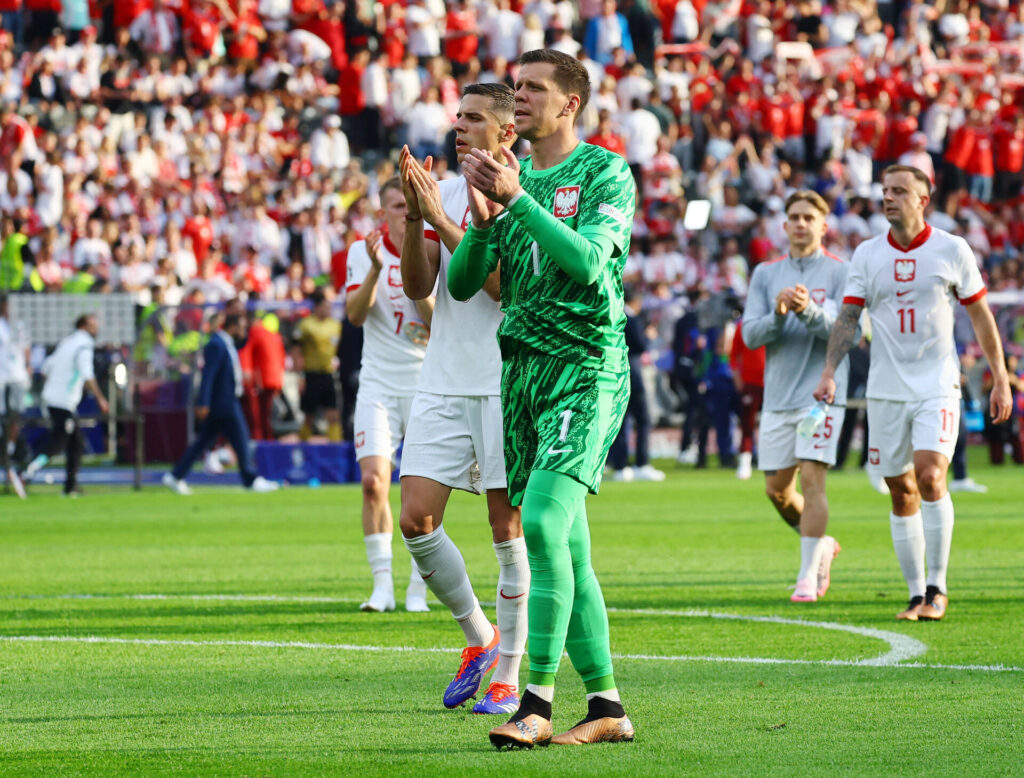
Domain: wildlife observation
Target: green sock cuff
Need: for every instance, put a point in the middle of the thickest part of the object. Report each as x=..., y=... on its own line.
x=603, y=684
x=539, y=678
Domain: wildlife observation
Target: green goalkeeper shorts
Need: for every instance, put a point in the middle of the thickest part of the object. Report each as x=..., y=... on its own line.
x=559, y=417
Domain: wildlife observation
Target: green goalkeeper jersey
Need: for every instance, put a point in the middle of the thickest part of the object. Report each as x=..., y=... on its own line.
x=560, y=290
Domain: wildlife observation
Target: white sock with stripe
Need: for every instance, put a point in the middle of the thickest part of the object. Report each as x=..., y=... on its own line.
x=511, y=608
x=444, y=570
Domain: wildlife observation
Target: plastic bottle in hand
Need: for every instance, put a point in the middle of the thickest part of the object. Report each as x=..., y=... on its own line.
x=814, y=419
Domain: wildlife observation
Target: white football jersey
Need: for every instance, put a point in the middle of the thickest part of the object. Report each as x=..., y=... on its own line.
x=394, y=335
x=463, y=357
x=909, y=295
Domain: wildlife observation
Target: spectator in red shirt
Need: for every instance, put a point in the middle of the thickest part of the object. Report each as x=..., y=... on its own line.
x=958, y=155
x=199, y=229
x=605, y=136
x=1010, y=159
x=461, y=39
x=981, y=169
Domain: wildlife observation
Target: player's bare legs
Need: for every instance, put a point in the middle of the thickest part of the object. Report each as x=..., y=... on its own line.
x=806, y=511
x=922, y=530
x=377, y=527
x=780, y=486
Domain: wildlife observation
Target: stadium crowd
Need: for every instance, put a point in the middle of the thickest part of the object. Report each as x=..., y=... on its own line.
x=191, y=151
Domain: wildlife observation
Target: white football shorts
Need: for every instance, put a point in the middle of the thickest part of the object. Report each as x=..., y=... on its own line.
x=779, y=446
x=379, y=423
x=897, y=429
x=456, y=441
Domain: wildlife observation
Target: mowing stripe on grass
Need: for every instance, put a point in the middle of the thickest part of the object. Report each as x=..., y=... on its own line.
x=417, y=650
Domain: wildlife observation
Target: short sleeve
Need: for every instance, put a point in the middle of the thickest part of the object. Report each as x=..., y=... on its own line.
x=856, y=290
x=968, y=285
x=607, y=207
x=358, y=266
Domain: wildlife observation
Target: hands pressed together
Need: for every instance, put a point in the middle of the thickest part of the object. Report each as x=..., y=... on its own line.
x=793, y=298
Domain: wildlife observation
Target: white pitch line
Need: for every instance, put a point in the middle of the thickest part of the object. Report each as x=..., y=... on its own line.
x=93, y=639
x=901, y=647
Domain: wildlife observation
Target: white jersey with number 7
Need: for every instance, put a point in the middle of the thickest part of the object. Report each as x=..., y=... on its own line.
x=910, y=296
x=394, y=335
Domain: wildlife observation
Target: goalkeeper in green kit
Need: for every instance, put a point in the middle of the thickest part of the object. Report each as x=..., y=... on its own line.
x=559, y=226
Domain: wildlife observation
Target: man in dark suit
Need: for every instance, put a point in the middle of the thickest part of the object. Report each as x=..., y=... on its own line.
x=219, y=410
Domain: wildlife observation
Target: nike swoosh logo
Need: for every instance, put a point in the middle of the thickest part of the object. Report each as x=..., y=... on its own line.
x=513, y=597
x=425, y=577
x=554, y=450
x=904, y=292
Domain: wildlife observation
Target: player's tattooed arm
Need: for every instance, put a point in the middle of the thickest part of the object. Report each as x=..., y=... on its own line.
x=844, y=334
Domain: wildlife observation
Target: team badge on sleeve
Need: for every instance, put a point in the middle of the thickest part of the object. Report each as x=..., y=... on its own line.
x=905, y=269
x=567, y=201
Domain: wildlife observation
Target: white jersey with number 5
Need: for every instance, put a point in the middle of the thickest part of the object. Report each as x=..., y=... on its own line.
x=463, y=357
x=394, y=335
x=910, y=296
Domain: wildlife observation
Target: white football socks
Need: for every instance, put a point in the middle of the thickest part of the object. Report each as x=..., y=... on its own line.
x=513, y=588
x=444, y=570
x=378, y=553
x=908, y=540
x=938, y=536
x=811, y=550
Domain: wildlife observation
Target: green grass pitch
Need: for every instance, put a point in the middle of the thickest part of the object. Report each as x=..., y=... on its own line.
x=225, y=639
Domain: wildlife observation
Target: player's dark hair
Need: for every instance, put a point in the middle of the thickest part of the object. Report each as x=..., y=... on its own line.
x=807, y=196
x=917, y=173
x=503, y=99
x=317, y=297
x=392, y=183
x=570, y=75
x=231, y=320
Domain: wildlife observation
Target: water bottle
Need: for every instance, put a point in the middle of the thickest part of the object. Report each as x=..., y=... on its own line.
x=813, y=420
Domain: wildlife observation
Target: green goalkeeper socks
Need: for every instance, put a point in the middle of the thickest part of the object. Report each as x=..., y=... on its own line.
x=566, y=605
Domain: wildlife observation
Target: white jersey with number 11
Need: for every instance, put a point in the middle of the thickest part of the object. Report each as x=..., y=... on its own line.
x=910, y=294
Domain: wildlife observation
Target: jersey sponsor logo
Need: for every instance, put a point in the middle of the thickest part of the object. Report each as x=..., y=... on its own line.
x=395, y=276
x=818, y=295
x=874, y=457
x=613, y=212
x=509, y=596
x=905, y=269
x=567, y=201
x=428, y=575
x=552, y=450
x=903, y=292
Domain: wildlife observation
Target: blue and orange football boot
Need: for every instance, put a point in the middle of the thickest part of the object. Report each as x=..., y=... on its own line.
x=499, y=698
x=477, y=661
